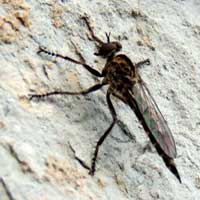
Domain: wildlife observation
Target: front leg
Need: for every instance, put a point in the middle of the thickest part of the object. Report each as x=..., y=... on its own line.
x=94, y=37
x=87, y=67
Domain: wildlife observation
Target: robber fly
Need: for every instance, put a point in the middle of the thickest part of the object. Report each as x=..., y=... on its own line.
x=126, y=84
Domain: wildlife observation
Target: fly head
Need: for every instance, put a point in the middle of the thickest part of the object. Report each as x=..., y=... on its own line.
x=108, y=49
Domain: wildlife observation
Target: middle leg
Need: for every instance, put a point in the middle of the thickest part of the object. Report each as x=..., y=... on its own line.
x=83, y=92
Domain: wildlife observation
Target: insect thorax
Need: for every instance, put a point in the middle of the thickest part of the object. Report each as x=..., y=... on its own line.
x=120, y=73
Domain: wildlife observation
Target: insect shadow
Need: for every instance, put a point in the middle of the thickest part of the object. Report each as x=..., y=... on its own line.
x=126, y=84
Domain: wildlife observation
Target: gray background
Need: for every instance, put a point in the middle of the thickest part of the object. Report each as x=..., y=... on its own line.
x=36, y=161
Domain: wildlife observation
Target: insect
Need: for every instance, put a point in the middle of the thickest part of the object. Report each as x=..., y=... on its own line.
x=126, y=84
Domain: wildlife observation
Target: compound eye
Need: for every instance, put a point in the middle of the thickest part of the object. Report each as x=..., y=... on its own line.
x=119, y=46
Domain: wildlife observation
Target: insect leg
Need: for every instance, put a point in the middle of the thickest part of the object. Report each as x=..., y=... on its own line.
x=87, y=67
x=146, y=61
x=101, y=140
x=83, y=92
x=81, y=162
x=8, y=193
x=94, y=37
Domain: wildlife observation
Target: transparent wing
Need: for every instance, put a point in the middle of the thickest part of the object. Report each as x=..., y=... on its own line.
x=154, y=119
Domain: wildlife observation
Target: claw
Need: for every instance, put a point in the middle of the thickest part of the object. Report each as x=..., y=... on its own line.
x=37, y=96
x=148, y=62
x=30, y=97
x=91, y=172
x=40, y=50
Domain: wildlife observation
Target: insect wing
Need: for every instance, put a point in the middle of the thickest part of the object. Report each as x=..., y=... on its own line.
x=154, y=119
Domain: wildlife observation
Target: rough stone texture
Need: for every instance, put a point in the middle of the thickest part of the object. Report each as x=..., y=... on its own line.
x=36, y=137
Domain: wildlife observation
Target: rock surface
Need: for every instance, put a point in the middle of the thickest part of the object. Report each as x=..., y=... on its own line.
x=37, y=137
